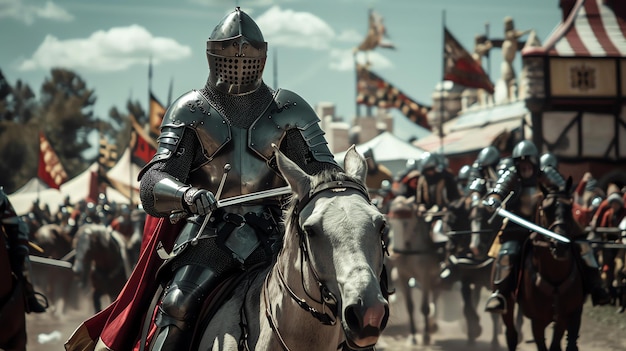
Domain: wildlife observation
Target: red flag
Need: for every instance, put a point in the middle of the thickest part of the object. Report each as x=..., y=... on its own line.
x=156, y=112
x=142, y=146
x=50, y=169
x=94, y=187
x=372, y=90
x=460, y=67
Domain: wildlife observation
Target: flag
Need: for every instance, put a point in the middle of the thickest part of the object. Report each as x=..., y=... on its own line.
x=460, y=67
x=156, y=111
x=376, y=34
x=107, y=155
x=142, y=146
x=50, y=169
x=372, y=90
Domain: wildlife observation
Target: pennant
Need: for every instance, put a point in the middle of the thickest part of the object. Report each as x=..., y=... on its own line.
x=460, y=67
x=376, y=34
x=107, y=156
x=372, y=90
x=156, y=111
x=142, y=146
x=50, y=170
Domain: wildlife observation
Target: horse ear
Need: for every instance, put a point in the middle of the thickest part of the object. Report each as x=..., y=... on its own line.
x=355, y=164
x=298, y=180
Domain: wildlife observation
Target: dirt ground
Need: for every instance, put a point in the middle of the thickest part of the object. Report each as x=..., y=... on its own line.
x=602, y=328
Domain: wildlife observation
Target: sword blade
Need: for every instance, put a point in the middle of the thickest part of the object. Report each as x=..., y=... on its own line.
x=50, y=262
x=530, y=225
x=254, y=196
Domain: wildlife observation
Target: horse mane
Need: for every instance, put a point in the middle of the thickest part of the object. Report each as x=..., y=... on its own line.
x=575, y=228
x=325, y=176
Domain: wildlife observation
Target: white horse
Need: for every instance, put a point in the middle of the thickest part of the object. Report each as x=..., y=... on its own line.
x=325, y=291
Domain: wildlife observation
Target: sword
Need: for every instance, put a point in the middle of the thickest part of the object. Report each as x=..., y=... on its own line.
x=50, y=261
x=606, y=245
x=530, y=225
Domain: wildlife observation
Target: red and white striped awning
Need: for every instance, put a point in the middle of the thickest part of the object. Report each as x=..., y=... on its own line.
x=592, y=29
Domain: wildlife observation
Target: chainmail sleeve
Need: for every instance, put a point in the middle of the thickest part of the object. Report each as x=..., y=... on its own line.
x=177, y=166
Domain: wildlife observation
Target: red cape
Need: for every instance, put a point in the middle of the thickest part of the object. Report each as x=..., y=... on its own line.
x=118, y=326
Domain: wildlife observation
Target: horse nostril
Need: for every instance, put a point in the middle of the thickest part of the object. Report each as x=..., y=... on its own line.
x=359, y=317
x=351, y=317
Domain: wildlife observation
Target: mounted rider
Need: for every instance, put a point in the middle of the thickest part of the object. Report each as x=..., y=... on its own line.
x=522, y=183
x=16, y=232
x=436, y=185
x=216, y=142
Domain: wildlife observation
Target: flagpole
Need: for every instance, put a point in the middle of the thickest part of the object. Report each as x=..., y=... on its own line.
x=275, y=69
x=443, y=74
x=488, y=51
x=356, y=98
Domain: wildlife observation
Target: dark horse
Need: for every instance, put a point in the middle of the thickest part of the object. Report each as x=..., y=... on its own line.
x=551, y=286
x=12, y=315
x=102, y=254
x=472, y=268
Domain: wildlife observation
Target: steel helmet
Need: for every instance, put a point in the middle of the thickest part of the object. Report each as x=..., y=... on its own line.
x=236, y=52
x=428, y=161
x=548, y=160
x=464, y=173
x=525, y=150
x=488, y=157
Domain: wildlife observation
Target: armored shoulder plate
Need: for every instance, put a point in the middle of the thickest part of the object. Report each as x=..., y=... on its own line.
x=289, y=111
x=552, y=178
x=190, y=111
x=507, y=182
x=478, y=185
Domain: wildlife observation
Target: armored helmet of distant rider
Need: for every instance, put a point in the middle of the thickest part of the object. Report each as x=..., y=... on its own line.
x=549, y=165
x=428, y=161
x=487, y=160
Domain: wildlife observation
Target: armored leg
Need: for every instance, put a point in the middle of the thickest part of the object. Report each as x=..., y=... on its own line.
x=504, y=273
x=180, y=305
x=592, y=282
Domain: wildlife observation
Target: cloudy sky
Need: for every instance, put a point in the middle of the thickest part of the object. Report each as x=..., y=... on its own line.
x=109, y=43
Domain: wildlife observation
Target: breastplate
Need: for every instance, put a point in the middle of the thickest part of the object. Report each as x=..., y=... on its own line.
x=248, y=173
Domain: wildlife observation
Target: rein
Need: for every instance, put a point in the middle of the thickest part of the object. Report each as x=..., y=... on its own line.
x=329, y=300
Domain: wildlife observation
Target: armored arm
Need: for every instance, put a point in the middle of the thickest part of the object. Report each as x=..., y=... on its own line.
x=507, y=183
x=552, y=179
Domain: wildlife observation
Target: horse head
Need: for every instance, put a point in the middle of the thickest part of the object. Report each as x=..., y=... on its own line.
x=339, y=233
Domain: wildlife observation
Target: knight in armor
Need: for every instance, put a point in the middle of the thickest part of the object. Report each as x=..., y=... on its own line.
x=462, y=178
x=216, y=143
x=522, y=182
x=436, y=185
x=16, y=232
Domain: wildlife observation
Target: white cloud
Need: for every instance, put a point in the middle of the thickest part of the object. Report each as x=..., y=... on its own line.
x=112, y=50
x=29, y=13
x=343, y=59
x=295, y=29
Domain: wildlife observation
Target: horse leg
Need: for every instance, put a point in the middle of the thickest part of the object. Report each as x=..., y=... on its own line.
x=469, y=311
x=539, y=335
x=408, y=298
x=573, y=330
x=426, y=291
x=511, y=331
x=96, y=300
x=557, y=335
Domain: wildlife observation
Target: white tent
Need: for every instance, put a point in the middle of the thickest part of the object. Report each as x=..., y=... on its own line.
x=124, y=176
x=388, y=150
x=77, y=188
x=32, y=186
x=23, y=201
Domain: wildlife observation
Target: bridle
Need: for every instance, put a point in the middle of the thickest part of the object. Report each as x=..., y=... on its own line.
x=329, y=302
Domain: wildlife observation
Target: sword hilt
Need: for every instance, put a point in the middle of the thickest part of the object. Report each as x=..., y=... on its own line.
x=502, y=205
x=227, y=169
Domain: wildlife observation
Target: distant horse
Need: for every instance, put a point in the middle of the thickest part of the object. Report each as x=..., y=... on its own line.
x=551, y=286
x=56, y=283
x=471, y=268
x=414, y=254
x=12, y=313
x=101, y=254
x=324, y=292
